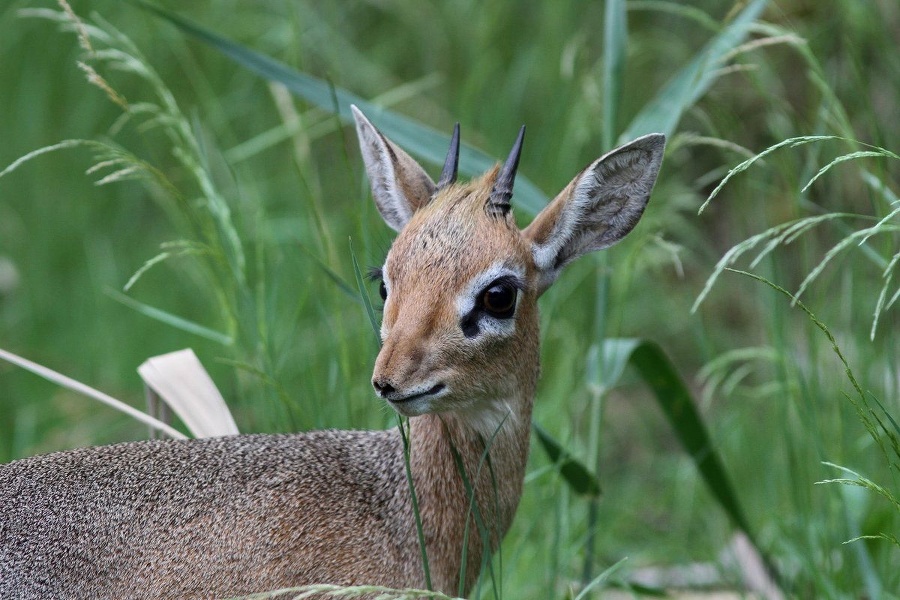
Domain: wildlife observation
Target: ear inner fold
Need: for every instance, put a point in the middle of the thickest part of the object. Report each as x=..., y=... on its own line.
x=400, y=186
x=599, y=207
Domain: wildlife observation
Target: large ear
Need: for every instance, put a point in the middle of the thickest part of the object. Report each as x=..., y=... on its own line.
x=399, y=185
x=598, y=208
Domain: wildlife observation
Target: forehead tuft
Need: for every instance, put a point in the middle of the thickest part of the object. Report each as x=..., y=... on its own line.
x=452, y=237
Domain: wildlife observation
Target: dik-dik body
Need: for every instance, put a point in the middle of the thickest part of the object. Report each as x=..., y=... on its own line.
x=460, y=356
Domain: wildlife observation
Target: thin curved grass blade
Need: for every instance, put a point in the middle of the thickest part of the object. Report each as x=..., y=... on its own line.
x=574, y=473
x=601, y=578
x=364, y=296
x=882, y=303
x=171, y=250
x=403, y=427
x=791, y=142
x=860, y=481
x=338, y=281
x=85, y=390
x=880, y=153
x=679, y=408
x=691, y=13
x=44, y=150
x=871, y=420
x=170, y=319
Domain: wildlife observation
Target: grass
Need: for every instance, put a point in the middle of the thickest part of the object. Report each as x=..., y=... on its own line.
x=281, y=190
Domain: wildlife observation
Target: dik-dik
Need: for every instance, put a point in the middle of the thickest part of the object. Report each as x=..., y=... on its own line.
x=460, y=357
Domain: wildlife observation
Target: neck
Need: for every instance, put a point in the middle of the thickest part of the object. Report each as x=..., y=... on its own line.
x=453, y=454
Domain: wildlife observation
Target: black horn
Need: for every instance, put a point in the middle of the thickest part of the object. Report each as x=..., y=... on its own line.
x=498, y=204
x=451, y=165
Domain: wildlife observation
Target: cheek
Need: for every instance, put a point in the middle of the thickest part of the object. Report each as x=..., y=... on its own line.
x=485, y=359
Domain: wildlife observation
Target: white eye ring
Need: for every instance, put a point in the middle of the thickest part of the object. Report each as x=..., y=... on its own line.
x=470, y=300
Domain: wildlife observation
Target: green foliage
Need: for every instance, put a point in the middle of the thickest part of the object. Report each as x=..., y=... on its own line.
x=880, y=424
x=225, y=205
x=786, y=233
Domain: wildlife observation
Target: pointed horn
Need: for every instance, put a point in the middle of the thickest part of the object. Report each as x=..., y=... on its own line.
x=451, y=165
x=503, y=187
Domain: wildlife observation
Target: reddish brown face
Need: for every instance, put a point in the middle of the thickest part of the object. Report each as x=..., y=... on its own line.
x=461, y=282
x=459, y=308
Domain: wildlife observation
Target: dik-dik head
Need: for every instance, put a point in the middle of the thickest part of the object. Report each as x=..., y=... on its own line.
x=461, y=281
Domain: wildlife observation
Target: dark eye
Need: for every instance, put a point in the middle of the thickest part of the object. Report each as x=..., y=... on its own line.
x=499, y=300
x=377, y=274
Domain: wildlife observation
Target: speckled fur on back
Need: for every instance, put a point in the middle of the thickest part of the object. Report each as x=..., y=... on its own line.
x=460, y=357
x=211, y=517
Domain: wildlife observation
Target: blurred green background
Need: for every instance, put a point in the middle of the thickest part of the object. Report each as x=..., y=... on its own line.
x=773, y=393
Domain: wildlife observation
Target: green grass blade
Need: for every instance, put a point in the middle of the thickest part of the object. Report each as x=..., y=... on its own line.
x=888, y=416
x=664, y=111
x=880, y=187
x=791, y=142
x=170, y=319
x=364, y=295
x=680, y=410
x=170, y=250
x=342, y=285
x=845, y=158
x=574, y=473
x=44, y=150
x=860, y=481
x=601, y=578
x=880, y=302
x=616, y=353
x=403, y=425
x=615, y=47
x=475, y=512
x=676, y=402
x=148, y=264
x=414, y=137
x=473, y=507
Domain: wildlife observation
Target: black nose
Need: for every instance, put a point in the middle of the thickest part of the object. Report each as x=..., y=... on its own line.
x=382, y=387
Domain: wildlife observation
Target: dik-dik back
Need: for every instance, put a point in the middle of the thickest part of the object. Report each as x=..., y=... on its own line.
x=460, y=357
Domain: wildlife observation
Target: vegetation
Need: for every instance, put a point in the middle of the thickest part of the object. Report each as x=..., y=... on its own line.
x=231, y=215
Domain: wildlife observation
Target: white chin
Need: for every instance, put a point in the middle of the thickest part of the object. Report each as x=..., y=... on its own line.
x=412, y=408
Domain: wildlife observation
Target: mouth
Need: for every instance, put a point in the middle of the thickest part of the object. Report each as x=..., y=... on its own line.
x=433, y=391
